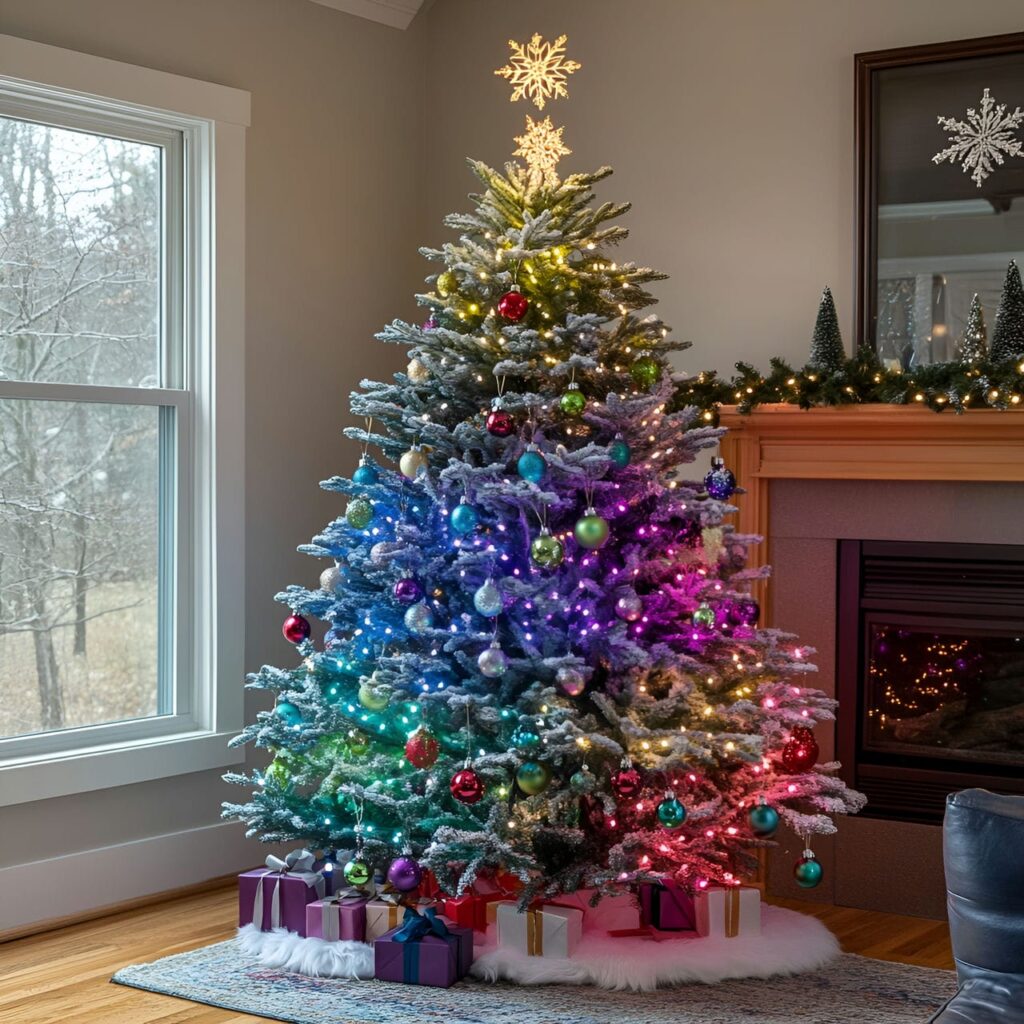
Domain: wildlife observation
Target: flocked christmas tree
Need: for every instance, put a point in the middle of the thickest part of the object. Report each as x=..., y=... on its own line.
x=542, y=650
x=973, y=345
x=1008, y=330
x=827, y=351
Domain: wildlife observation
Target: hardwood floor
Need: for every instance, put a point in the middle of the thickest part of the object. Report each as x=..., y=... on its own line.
x=63, y=976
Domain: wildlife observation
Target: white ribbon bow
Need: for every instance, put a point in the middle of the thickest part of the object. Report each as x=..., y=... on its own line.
x=297, y=864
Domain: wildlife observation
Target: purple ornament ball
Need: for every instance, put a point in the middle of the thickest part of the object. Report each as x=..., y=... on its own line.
x=405, y=873
x=408, y=590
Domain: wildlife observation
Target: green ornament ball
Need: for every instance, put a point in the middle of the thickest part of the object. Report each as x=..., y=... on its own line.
x=619, y=452
x=374, y=696
x=764, y=820
x=359, y=513
x=582, y=781
x=358, y=743
x=357, y=872
x=447, y=282
x=533, y=777
x=278, y=773
x=704, y=616
x=547, y=551
x=807, y=872
x=671, y=813
x=645, y=372
x=591, y=530
x=572, y=403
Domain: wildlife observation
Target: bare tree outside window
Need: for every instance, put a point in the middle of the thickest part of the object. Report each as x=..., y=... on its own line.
x=80, y=266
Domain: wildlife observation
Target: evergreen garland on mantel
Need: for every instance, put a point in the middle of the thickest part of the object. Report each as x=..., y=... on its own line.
x=993, y=381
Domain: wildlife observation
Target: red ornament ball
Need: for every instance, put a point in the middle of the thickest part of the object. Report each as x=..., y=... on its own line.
x=500, y=423
x=467, y=787
x=800, y=753
x=296, y=629
x=422, y=748
x=627, y=782
x=513, y=306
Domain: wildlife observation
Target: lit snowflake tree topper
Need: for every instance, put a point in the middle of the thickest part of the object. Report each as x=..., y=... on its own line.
x=538, y=70
x=542, y=147
x=980, y=142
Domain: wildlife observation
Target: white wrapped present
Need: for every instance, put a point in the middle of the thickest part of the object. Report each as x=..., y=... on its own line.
x=727, y=913
x=546, y=930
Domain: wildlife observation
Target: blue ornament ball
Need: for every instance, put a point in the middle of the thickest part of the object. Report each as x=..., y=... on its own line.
x=532, y=466
x=719, y=482
x=464, y=518
x=525, y=737
x=671, y=813
x=619, y=452
x=764, y=820
x=288, y=713
x=807, y=871
x=365, y=474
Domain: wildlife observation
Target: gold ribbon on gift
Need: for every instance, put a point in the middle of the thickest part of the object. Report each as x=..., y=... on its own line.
x=534, y=933
x=732, y=913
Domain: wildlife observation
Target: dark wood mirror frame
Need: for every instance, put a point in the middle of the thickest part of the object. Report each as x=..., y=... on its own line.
x=867, y=65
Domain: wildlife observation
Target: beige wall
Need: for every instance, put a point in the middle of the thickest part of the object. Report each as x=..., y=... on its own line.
x=730, y=127
x=331, y=202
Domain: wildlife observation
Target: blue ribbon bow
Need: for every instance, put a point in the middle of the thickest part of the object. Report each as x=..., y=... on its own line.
x=416, y=926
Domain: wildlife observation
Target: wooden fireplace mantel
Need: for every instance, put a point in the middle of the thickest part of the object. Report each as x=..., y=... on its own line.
x=869, y=442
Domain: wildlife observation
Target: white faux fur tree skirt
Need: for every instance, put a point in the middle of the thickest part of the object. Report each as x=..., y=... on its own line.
x=789, y=943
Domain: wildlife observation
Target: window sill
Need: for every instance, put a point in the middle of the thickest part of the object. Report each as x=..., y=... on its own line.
x=81, y=771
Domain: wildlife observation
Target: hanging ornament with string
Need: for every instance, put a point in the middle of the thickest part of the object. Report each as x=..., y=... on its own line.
x=408, y=590
x=493, y=662
x=546, y=551
x=671, y=813
x=447, y=283
x=464, y=517
x=356, y=871
x=532, y=466
x=330, y=578
x=373, y=694
x=626, y=781
x=628, y=605
x=419, y=618
x=466, y=785
x=719, y=481
x=359, y=513
x=513, y=305
x=591, y=530
x=572, y=403
x=619, y=452
x=645, y=371
x=488, y=600
x=422, y=748
x=500, y=422
x=405, y=872
x=366, y=473
x=763, y=818
x=704, y=617
x=807, y=871
x=800, y=752
x=296, y=628
x=571, y=680
x=533, y=777
x=417, y=371
x=413, y=462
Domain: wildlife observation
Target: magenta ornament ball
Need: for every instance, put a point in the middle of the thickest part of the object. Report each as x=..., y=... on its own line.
x=408, y=590
x=296, y=629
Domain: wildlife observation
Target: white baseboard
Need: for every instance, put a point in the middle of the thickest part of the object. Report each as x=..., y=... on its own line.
x=79, y=882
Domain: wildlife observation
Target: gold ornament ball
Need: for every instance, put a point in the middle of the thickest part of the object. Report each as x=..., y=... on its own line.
x=417, y=372
x=533, y=777
x=412, y=463
x=374, y=697
x=447, y=283
x=358, y=743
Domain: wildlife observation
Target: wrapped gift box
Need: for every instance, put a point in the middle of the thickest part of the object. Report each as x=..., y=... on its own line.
x=546, y=930
x=383, y=915
x=667, y=907
x=614, y=913
x=425, y=950
x=728, y=912
x=475, y=909
x=337, y=917
x=276, y=896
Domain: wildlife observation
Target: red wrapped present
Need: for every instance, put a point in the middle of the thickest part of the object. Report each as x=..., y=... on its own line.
x=473, y=909
x=667, y=907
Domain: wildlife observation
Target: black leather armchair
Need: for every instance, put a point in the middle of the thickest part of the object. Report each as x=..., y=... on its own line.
x=983, y=849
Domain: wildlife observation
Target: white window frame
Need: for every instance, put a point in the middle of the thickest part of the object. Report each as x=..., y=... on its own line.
x=202, y=394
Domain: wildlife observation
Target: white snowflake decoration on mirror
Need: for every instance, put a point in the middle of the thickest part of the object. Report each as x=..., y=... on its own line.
x=980, y=142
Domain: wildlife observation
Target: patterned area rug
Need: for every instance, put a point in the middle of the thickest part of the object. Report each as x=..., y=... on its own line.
x=850, y=990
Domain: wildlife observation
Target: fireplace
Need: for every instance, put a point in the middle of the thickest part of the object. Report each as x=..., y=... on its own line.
x=930, y=660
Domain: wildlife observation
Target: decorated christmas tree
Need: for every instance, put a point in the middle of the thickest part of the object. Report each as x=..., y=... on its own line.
x=542, y=653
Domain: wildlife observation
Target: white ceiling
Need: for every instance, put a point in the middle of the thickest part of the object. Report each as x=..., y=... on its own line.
x=396, y=13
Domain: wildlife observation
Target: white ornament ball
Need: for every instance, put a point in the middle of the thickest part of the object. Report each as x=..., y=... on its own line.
x=330, y=578
x=493, y=662
x=383, y=551
x=413, y=462
x=629, y=606
x=488, y=600
x=417, y=372
x=571, y=681
x=419, y=618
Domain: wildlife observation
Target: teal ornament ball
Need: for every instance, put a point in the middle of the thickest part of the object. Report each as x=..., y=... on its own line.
x=464, y=517
x=419, y=618
x=582, y=781
x=572, y=403
x=533, y=777
x=671, y=813
x=356, y=872
x=645, y=372
x=591, y=530
x=619, y=452
x=525, y=738
x=807, y=871
x=704, y=616
x=764, y=820
x=547, y=551
x=488, y=600
x=359, y=513
x=288, y=713
x=532, y=466
x=365, y=474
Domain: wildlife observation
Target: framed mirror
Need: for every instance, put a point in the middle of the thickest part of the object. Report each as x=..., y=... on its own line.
x=940, y=191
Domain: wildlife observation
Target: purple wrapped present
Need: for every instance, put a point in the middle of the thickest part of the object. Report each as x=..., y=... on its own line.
x=276, y=896
x=338, y=917
x=664, y=905
x=425, y=950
